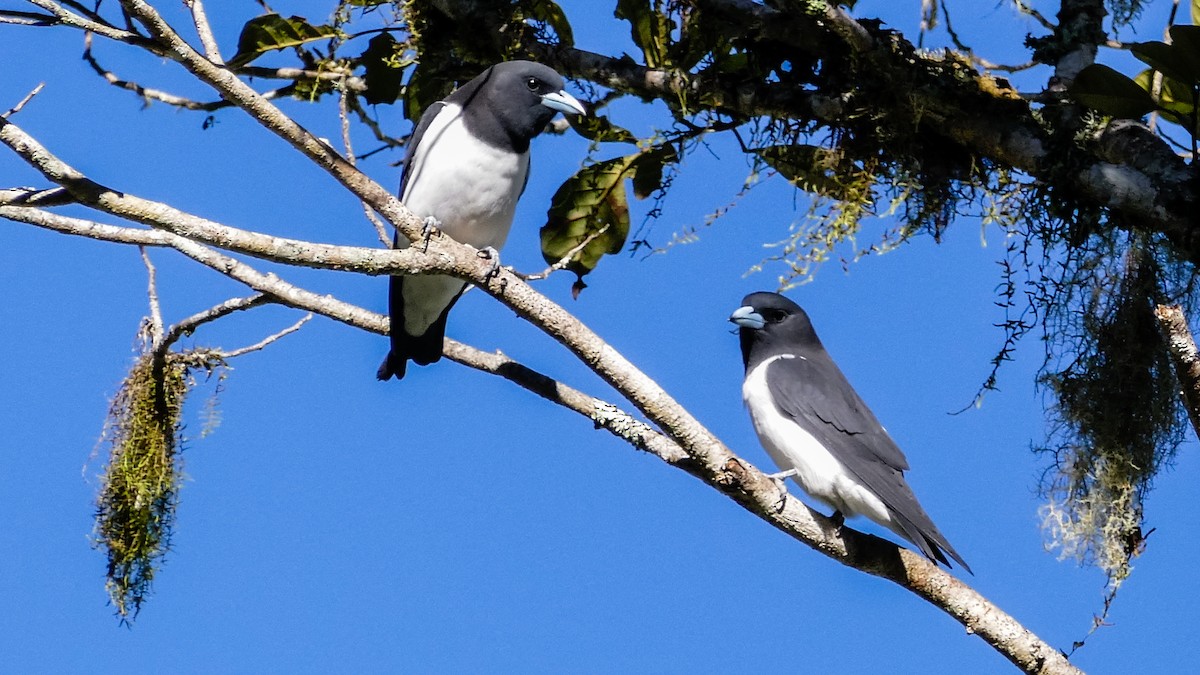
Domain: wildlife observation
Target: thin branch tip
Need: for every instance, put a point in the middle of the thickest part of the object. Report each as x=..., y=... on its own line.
x=24, y=101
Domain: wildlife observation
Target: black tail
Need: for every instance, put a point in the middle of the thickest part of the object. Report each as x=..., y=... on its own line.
x=420, y=349
x=930, y=541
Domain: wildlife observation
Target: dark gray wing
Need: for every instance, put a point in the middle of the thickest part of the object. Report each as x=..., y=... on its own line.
x=814, y=393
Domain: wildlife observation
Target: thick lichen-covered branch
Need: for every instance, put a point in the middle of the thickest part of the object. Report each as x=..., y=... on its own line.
x=941, y=97
x=1184, y=356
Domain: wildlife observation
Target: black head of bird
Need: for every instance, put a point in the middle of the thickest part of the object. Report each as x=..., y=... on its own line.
x=521, y=97
x=774, y=324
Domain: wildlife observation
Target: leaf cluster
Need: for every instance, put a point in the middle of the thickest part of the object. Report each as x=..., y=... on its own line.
x=1170, y=87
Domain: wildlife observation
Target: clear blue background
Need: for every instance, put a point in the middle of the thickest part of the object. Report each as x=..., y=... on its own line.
x=455, y=523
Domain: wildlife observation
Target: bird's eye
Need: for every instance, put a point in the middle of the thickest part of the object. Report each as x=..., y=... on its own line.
x=774, y=315
x=532, y=83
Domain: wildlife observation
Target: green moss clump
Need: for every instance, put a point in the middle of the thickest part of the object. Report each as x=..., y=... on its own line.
x=139, y=493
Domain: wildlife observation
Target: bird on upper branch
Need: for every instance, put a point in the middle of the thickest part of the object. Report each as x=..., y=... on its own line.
x=466, y=166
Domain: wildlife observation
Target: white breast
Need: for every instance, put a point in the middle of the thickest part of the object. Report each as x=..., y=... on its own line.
x=469, y=186
x=818, y=472
x=472, y=189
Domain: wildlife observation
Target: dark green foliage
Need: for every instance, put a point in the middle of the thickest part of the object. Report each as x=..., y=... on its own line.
x=550, y=14
x=271, y=32
x=600, y=129
x=650, y=28
x=592, y=207
x=1124, y=12
x=591, y=204
x=1110, y=92
x=1175, y=93
x=382, y=69
x=811, y=168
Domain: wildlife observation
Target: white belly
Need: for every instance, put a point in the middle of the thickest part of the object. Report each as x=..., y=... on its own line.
x=471, y=187
x=818, y=472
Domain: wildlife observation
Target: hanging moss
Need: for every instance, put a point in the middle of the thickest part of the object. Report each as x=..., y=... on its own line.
x=1117, y=419
x=139, y=493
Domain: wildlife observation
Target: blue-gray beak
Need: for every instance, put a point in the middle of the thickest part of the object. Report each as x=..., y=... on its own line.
x=746, y=317
x=563, y=103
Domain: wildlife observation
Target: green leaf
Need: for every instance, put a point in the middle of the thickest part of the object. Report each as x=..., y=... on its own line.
x=647, y=175
x=700, y=35
x=383, y=73
x=548, y=12
x=271, y=31
x=599, y=129
x=425, y=87
x=808, y=167
x=592, y=203
x=1175, y=100
x=1162, y=57
x=1185, y=40
x=1196, y=12
x=1110, y=92
x=649, y=28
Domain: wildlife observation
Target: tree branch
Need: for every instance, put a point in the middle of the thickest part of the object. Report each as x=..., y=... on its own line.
x=95, y=25
x=155, y=320
x=190, y=324
x=204, y=31
x=978, y=114
x=702, y=454
x=21, y=104
x=1184, y=356
x=261, y=344
x=272, y=289
x=151, y=94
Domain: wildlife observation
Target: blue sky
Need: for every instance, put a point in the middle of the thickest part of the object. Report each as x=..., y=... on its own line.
x=454, y=523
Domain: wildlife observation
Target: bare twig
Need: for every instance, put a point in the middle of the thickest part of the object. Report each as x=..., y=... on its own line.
x=155, y=320
x=566, y=259
x=333, y=74
x=1028, y=10
x=15, y=17
x=376, y=129
x=95, y=25
x=190, y=324
x=26, y=196
x=151, y=94
x=269, y=339
x=344, y=116
x=22, y=103
x=975, y=58
x=204, y=31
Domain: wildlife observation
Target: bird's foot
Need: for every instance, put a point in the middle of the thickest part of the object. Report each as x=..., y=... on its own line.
x=838, y=520
x=783, y=491
x=430, y=227
x=492, y=254
x=782, y=475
